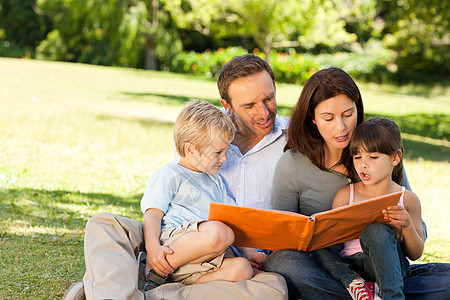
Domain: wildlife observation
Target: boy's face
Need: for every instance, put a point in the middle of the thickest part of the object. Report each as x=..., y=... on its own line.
x=211, y=157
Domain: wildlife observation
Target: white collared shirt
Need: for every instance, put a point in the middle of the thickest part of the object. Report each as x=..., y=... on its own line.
x=248, y=178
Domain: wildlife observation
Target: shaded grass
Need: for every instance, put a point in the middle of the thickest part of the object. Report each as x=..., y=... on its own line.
x=435, y=126
x=42, y=238
x=76, y=140
x=46, y=267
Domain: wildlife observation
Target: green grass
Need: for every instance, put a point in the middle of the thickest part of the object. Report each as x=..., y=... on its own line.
x=76, y=140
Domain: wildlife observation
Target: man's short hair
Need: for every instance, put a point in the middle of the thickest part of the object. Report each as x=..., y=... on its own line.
x=239, y=67
x=200, y=123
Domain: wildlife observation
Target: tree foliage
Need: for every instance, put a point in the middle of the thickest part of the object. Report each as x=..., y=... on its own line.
x=86, y=30
x=108, y=32
x=22, y=26
x=419, y=33
x=150, y=33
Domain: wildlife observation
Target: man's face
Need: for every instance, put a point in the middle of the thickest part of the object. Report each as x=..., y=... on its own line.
x=253, y=104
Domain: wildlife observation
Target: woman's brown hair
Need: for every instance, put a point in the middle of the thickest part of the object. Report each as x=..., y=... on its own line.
x=303, y=135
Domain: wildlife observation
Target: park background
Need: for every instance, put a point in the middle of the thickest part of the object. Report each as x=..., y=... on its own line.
x=89, y=93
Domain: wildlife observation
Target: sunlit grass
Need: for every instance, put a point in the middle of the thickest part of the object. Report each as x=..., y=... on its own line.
x=76, y=140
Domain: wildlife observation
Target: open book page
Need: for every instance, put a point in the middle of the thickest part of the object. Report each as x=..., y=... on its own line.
x=275, y=230
x=263, y=228
x=347, y=222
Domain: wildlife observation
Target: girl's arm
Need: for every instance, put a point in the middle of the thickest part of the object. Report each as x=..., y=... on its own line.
x=156, y=258
x=342, y=197
x=409, y=219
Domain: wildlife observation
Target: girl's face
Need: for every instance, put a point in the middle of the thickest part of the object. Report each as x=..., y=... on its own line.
x=336, y=119
x=374, y=167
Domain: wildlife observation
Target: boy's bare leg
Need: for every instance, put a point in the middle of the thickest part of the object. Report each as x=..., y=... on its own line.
x=194, y=247
x=232, y=269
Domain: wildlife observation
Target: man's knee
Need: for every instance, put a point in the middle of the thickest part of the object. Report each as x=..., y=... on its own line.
x=101, y=218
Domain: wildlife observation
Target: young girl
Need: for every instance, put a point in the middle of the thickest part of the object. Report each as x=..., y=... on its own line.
x=377, y=153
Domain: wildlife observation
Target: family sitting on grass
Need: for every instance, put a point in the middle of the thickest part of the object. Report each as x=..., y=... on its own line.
x=247, y=155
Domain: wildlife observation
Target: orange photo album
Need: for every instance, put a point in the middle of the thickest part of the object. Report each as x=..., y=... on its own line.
x=275, y=229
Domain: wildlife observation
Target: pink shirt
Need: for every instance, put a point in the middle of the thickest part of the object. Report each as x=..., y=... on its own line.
x=354, y=246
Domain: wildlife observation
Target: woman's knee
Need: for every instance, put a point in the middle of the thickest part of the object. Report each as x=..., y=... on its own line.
x=283, y=260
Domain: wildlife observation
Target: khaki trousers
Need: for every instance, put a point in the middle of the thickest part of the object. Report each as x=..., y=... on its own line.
x=111, y=246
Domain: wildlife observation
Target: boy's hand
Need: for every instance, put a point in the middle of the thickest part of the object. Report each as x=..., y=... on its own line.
x=156, y=260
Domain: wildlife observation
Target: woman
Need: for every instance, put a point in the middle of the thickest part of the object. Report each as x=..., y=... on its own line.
x=315, y=165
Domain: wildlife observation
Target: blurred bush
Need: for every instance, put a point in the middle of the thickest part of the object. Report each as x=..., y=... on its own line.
x=207, y=64
x=290, y=66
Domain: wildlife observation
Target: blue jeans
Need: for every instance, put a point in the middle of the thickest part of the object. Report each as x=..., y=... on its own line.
x=306, y=280
x=329, y=260
x=382, y=261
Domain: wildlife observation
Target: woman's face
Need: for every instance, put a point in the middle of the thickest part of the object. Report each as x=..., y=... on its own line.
x=336, y=119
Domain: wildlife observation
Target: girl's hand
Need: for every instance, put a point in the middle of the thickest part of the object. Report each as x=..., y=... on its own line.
x=398, y=217
x=156, y=260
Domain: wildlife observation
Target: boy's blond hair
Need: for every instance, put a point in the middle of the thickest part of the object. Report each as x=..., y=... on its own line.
x=200, y=123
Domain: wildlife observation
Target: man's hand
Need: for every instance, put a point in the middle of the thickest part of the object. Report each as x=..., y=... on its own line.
x=257, y=260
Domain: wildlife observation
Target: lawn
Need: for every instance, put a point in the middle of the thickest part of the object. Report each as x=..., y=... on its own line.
x=76, y=140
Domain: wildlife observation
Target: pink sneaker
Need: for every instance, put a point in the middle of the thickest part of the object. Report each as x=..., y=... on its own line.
x=374, y=289
x=371, y=286
x=361, y=290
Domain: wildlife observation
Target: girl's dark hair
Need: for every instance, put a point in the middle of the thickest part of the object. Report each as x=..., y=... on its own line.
x=378, y=135
x=303, y=135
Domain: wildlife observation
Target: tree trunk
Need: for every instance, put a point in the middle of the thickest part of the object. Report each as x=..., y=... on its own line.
x=268, y=47
x=151, y=61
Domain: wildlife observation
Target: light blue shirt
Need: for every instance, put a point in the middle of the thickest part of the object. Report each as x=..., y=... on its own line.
x=248, y=178
x=183, y=195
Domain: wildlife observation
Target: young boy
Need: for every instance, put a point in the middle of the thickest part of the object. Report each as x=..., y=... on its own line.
x=180, y=244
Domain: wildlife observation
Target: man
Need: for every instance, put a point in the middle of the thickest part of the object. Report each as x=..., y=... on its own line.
x=112, y=243
x=247, y=90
